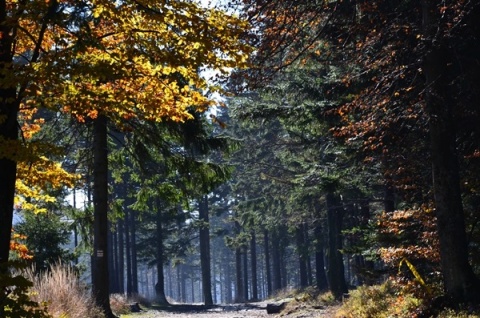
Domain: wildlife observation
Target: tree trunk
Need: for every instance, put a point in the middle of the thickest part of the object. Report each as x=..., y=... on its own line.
x=128, y=253
x=112, y=260
x=121, y=258
x=253, y=256
x=239, y=297
x=302, y=255
x=276, y=266
x=336, y=270
x=268, y=272
x=9, y=106
x=133, y=248
x=320, y=274
x=8, y=171
x=160, y=285
x=205, y=251
x=460, y=283
x=100, y=277
x=228, y=281
x=245, y=272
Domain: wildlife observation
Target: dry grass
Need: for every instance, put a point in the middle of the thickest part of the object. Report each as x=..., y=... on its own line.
x=65, y=295
x=380, y=301
x=119, y=304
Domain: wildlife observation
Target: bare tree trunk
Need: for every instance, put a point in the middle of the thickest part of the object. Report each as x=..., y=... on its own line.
x=302, y=255
x=205, y=259
x=160, y=285
x=240, y=293
x=460, y=283
x=128, y=252
x=253, y=256
x=336, y=270
x=133, y=248
x=121, y=257
x=245, y=272
x=9, y=107
x=100, y=277
x=112, y=260
x=228, y=281
x=268, y=272
x=277, y=267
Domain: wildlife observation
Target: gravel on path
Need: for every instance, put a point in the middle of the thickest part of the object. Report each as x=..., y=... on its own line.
x=238, y=311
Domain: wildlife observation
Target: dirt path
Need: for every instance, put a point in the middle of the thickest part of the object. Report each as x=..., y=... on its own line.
x=236, y=311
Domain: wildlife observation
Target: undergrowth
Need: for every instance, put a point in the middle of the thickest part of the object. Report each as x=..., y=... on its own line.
x=392, y=299
x=61, y=289
x=380, y=301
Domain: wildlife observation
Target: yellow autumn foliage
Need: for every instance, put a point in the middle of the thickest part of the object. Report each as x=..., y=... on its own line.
x=131, y=60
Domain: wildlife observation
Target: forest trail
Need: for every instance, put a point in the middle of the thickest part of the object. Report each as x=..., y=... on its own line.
x=235, y=311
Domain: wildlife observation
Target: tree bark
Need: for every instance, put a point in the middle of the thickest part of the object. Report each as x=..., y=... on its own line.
x=336, y=270
x=133, y=248
x=227, y=281
x=460, y=283
x=302, y=255
x=253, y=260
x=121, y=257
x=128, y=252
x=239, y=297
x=268, y=272
x=276, y=266
x=245, y=272
x=112, y=260
x=100, y=277
x=205, y=251
x=9, y=107
x=160, y=285
x=320, y=274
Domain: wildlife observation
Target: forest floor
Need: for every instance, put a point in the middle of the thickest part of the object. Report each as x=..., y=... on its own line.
x=257, y=309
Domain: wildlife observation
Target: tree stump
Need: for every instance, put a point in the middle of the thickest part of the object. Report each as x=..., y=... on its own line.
x=275, y=308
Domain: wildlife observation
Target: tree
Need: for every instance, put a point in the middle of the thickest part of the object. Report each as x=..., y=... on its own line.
x=118, y=60
x=45, y=235
x=461, y=284
x=409, y=91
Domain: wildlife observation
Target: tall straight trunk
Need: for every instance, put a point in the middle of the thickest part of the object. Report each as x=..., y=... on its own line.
x=205, y=251
x=307, y=253
x=336, y=270
x=268, y=271
x=128, y=253
x=112, y=268
x=320, y=274
x=245, y=272
x=240, y=294
x=276, y=260
x=302, y=255
x=228, y=282
x=121, y=257
x=253, y=259
x=160, y=285
x=214, y=278
x=183, y=283
x=460, y=283
x=100, y=277
x=133, y=248
x=9, y=107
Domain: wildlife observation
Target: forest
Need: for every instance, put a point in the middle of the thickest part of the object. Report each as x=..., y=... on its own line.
x=221, y=152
